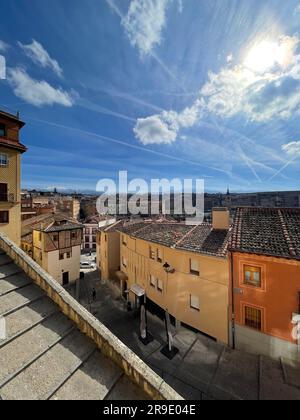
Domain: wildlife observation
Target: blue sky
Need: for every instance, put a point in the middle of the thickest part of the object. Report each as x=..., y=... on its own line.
x=161, y=88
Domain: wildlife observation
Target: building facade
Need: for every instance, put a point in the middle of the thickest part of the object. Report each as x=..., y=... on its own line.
x=54, y=242
x=181, y=269
x=10, y=169
x=265, y=259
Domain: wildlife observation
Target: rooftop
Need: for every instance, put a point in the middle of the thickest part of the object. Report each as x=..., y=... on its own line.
x=49, y=222
x=202, y=238
x=267, y=231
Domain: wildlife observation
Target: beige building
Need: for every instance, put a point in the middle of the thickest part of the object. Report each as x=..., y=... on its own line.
x=10, y=169
x=54, y=242
x=179, y=268
x=108, y=250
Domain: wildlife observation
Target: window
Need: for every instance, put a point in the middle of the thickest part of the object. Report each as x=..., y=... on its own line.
x=195, y=302
x=152, y=281
x=94, y=246
x=3, y=160
x=2, y=130
x=152, y=254
x=68, y=254
x=252, y=276
x=74, y=235
x=94, y=239
x=61, y=255
x=253, y=318
x=194, y=267
x=160, y=285
x=159, y=255
x=3, y=192
x=55, y=238
x=87, y=239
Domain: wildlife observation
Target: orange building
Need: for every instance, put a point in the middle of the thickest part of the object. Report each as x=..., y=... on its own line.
x=265, y=283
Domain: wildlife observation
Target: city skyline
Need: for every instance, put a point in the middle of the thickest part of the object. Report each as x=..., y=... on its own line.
x=161, y=89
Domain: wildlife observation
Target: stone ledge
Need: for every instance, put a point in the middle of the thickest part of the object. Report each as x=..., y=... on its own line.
x=141, y=374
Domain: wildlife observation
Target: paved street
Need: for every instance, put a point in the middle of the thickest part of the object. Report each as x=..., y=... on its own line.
x=203, y=369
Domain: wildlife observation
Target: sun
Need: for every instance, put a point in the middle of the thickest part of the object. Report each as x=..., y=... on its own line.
x=265, y=55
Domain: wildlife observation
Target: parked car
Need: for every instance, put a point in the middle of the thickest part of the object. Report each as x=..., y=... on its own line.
x=86, y=265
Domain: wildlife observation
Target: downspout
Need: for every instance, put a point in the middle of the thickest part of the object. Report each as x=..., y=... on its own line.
x=232, y=301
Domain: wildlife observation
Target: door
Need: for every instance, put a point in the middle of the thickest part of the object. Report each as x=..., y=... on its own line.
x=3, y=192
x=65, y=278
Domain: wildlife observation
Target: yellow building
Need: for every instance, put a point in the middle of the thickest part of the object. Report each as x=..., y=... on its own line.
x=108, y=250
x=54, y=242
x=181, y=269
x=10, y=169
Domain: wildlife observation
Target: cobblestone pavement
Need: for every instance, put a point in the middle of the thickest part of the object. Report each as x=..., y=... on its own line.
x=203, y=369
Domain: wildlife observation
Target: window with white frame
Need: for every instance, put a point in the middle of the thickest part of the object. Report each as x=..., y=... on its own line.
x=152, y=281
x=195, y=302
x=194, y=267
x=160, y=285
x=3, y=159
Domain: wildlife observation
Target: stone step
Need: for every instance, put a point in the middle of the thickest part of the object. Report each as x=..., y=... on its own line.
x=9, y=270
x=92, y=381
x=18, y=299
x=30, y=345
x=49, y=371
x=26, y=318
x=13, y=283
x=125, y=390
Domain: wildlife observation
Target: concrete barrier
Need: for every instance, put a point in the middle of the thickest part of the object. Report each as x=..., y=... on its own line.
x=141, y=374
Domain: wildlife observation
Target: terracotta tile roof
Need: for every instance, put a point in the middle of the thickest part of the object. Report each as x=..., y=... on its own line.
x=206, y=240
x=267, y=231
x=49, y=223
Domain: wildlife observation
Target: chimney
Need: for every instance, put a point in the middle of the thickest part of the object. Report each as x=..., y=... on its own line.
x=220, y=218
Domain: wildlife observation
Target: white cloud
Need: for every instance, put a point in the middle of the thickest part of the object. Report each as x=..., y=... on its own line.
x=164, y=127
x=144, y=23
x=292, y=149
x=37, y=92
x=260, y=88
x=297, y=10
x=37, y=53
x=154, y=130
x=3, y=46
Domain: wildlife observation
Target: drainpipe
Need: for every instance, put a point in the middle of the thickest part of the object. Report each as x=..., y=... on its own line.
x=232, y=302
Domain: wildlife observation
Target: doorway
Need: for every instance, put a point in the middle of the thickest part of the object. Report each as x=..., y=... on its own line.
x=65, y=278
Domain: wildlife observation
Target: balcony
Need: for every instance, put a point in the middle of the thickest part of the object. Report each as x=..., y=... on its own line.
x=7, y=198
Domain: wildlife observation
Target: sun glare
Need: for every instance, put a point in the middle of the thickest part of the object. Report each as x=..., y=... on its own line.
x=265, y=55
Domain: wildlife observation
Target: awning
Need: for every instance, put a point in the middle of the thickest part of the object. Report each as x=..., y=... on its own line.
x=137, y=290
